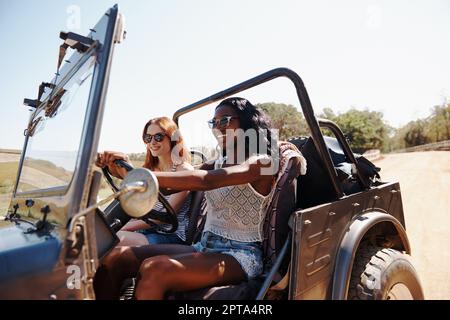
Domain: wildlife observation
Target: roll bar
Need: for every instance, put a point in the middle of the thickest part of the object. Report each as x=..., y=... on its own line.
x=305, y=104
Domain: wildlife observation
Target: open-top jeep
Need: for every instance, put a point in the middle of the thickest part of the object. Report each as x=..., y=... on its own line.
x=337, y=232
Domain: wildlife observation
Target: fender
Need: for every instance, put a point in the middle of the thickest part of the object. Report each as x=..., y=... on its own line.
x=350, y=243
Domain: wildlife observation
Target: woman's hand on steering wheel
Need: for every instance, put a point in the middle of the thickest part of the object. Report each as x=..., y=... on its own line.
x=108, y=158
x=114, y=161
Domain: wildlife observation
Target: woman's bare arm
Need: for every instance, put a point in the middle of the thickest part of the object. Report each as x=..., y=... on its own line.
x=209, y=165
x=134, y=225
x=206, y=179
x=247, y=172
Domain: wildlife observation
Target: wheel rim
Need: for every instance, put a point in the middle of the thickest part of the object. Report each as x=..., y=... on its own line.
x=399, y=292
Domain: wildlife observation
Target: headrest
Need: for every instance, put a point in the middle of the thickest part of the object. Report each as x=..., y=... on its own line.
x=288, y=151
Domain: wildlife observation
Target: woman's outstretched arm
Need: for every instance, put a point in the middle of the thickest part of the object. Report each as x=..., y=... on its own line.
x=252, y=170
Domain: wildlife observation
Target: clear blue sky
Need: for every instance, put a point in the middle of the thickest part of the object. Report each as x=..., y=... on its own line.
x=391, y=56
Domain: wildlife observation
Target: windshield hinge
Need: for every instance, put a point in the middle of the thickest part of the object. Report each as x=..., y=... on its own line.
x=13, y=215
x=34, y=103
x=74, y=41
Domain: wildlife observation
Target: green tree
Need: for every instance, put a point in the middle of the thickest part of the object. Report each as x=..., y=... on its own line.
x=328, y=113
x=434, y=128
x=397, y=140
x=415, y=133
x=364, y=129
x=438, y=126
x=286, y=118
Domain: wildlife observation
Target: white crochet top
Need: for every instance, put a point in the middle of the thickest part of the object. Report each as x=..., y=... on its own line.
x=236, y=212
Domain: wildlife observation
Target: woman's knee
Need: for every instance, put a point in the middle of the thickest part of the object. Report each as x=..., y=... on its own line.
x=157, y=269
x=119, y=257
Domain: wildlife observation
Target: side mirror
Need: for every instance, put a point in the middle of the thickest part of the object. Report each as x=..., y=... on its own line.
x=137, y=203
x=138, y=194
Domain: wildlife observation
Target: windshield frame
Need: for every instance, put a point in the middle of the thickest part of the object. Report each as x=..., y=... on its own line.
x=108, y=31
x=67, y=77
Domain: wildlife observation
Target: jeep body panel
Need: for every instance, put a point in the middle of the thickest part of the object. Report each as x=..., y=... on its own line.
x=327, y=236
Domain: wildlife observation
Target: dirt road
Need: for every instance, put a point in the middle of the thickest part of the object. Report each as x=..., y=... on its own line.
x=425, y=183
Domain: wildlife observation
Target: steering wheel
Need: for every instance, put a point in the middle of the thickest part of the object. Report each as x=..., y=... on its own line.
x=165, y=221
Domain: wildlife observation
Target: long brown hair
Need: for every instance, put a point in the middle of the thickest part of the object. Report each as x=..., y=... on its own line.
x=170, y=128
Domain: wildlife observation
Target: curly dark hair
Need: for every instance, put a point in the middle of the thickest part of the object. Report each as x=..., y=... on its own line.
x=252, y=117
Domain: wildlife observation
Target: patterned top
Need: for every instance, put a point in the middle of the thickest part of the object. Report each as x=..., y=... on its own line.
x=236, y=212
x=182, y=214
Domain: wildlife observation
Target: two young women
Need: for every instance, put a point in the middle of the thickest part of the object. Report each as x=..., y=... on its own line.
x=238, y=185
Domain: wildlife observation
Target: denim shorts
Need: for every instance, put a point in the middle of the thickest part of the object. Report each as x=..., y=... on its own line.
x=154, y=237
x=248, y=254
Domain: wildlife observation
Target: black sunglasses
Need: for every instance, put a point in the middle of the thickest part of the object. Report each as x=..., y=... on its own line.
x=158, y=137
x=222, y=122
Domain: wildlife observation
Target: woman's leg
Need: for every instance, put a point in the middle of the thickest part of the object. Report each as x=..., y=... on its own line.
x=130, y=238
x=185, y=272
x=124, y=262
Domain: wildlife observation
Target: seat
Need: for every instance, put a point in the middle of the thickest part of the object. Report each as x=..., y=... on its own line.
x=316, y=186
x=197, y=215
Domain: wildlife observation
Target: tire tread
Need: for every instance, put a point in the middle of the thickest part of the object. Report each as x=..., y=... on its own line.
x=370, y=260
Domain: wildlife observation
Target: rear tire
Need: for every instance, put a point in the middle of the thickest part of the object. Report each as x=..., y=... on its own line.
x=383, y=274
